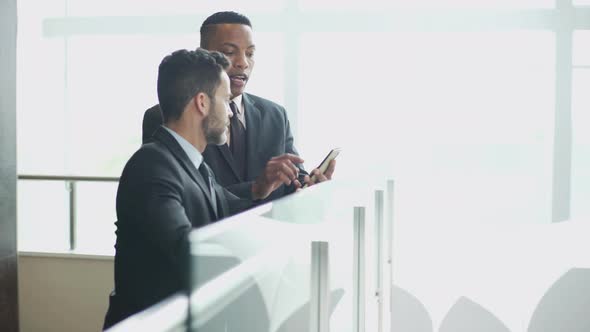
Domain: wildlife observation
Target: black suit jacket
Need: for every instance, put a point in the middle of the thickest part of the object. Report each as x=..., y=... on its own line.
x=268, y=134
x=161, y=197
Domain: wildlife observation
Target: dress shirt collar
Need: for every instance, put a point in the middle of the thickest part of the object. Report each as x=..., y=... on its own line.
x=193, y=154
x=238, y=101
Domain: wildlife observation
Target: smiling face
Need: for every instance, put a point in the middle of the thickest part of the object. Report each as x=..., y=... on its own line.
x=235, y=41
x=216, y=123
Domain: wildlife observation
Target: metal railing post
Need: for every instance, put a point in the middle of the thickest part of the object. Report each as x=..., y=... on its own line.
x=379, y=261
x=388, y=275
x=320, y=291
x=71, y=188
x=358, y=270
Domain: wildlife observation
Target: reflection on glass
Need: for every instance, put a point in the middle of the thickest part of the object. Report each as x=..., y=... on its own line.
x=43, y=216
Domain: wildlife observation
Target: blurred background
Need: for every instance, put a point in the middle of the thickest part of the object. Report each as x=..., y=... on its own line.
x=476, y=108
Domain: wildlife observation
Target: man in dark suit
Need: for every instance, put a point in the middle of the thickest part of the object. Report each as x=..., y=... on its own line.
x=260, y=131
x=166, y=188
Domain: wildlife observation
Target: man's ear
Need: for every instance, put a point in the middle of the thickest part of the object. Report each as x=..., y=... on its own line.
x=202, y=103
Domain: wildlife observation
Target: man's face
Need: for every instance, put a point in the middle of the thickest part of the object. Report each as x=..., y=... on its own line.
x=216, y=123
x=235, y=41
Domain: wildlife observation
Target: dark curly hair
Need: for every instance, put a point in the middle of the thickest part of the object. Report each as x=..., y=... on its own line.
x=183, y=74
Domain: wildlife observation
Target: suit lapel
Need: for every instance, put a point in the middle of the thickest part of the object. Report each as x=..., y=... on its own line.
x=253, y=120
x=170, y=142
x=222, y=208
x=229, y=159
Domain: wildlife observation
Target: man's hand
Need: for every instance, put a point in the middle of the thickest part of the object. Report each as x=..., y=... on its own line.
x=319, y=177
x=279, y=170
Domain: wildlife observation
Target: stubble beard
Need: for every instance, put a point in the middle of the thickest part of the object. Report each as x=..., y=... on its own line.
x=213, y=135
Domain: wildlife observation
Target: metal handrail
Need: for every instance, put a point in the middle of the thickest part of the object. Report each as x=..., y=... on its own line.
x=71, y=188
x=68, y=178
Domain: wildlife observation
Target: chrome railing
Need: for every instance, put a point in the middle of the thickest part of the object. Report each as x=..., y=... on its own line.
x=70, y=182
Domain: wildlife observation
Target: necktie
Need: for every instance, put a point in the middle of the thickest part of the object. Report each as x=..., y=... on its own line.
x=238, y=141
x=206, y=174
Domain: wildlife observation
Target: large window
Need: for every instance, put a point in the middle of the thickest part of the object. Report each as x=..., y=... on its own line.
x=463, y=120
x=454, y=99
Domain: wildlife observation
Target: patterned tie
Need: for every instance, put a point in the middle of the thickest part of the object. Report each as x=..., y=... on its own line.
x=238, y=141
x=206, y=174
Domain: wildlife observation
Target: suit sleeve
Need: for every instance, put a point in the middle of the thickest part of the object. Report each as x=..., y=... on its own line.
x=237, y=204
x=151, y=201
x=242, y=189
x=290, y=148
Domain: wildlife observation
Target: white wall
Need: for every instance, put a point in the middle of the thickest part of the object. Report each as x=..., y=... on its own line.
x=63, y=293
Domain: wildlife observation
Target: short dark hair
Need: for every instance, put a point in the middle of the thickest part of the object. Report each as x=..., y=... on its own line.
x=220, y=18
x=183, y=74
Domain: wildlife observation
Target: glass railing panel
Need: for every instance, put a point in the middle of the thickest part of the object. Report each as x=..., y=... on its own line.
x=332, y=205
x=256, y=272
x=268, y=250
x=250, y=273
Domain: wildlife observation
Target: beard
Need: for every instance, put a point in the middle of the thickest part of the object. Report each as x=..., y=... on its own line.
x=214, y=129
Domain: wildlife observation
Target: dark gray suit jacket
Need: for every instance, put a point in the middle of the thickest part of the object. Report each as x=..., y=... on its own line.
x=268, y=134
x=161, y=197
